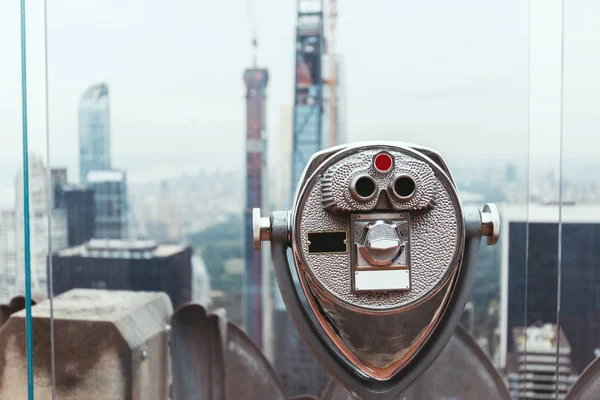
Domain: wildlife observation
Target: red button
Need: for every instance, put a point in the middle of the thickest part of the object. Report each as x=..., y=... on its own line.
x=383, y=162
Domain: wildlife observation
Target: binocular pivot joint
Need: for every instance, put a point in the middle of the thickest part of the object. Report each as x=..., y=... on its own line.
x=490, y=223
x=262, y=227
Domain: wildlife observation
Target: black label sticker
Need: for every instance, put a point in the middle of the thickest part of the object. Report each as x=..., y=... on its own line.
x=327, y=242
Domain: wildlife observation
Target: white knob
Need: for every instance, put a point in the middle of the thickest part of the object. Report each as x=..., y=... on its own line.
x=490, y=223
x=261, y=228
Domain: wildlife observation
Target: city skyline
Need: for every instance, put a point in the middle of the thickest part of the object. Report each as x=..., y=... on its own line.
x=480, y=84
x=448, y=84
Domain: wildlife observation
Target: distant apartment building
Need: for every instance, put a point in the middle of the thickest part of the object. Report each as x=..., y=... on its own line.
x=110, y=202
x=136, y=265
x=256, y=80
x=78, y=202
x=58, y=178
x=12, y=234
x=188, y=202
x=38, y=227
x=8, y=255
x=540, y=366
x=94, y=131
x=297, y=366
x=529, y=275
x=168, y=228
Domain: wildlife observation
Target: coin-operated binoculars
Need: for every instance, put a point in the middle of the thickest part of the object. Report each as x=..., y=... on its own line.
x=385, y=258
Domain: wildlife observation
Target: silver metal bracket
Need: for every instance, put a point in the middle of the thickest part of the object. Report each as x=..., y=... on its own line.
x=490, y=223
x=489, y=215
x=478, y=223
x=261, y=228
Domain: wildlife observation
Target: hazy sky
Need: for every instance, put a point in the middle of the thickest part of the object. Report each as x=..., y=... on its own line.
x=452, y=75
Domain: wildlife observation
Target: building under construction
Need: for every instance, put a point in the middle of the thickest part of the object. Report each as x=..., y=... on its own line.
x=299, y=370
x=308, y=89
x=256, y=84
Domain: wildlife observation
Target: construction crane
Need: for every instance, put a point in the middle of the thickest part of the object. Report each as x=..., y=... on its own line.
x=309, y=86
x=332, y=79
x=253, y=34
x=315, y=94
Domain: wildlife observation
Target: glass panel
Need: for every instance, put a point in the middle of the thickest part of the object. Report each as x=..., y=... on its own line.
x=18, y=252
x=169, y=123
x=534, y=259
x=457, y=81
x=561, y=333
x=155, y=110
x=580, y=288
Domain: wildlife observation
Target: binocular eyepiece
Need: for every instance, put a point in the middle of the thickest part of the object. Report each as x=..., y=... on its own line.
x=385, y=257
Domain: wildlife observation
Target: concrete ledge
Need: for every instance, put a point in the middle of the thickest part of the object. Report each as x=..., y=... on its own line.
x=109, y=345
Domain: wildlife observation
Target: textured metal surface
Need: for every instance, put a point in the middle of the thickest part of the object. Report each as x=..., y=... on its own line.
x=328, y=352
x=381, y=241
x=462, y=371
x=382, y=344
x=436, y=232
x=337, y=179
x=369, y=262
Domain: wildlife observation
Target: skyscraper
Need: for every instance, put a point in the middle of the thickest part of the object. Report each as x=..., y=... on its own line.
x=532, y=371
x=529, y=275
x=8, y=255
x=58, y=178
x=298, y=368
x=308, y=89
x=78, y=201
x=256, y=84
x=38, y=228
x=94, y=131
x=110, y=198
x=137, y=265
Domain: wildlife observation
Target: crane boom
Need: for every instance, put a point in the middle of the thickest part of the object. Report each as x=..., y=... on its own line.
x=332, y=79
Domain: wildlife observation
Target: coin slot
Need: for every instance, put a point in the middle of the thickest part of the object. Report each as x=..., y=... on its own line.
x=327, y=242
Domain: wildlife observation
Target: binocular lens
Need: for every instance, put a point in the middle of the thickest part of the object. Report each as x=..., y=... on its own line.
x=363, y=188
x=404, y=187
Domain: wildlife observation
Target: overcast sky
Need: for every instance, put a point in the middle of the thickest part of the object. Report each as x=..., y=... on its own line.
x=452, y=75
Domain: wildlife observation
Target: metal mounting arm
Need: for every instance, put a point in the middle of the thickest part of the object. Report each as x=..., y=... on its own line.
x=477, y=224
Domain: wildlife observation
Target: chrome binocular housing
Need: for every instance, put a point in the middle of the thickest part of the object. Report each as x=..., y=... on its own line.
x=384, y=256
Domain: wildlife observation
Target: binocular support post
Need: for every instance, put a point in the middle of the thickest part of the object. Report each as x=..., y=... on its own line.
x=277, y=229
